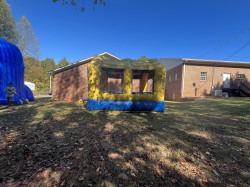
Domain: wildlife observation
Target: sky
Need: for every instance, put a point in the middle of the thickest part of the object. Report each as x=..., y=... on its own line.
x=204, y=29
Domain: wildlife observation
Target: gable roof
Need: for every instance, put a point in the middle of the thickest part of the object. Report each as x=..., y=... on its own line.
x=81, y=62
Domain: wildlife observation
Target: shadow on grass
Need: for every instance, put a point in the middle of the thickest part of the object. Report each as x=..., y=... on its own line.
x=56, y=143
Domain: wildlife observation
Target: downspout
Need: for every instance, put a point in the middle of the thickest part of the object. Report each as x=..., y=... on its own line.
x=212, y=87
x=183, y=78
x=50, y=81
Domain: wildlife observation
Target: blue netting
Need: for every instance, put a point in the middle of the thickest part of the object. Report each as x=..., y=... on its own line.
x=12, y=70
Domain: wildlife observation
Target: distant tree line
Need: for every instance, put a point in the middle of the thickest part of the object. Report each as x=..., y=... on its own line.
x=22, y=35
x=37, y=71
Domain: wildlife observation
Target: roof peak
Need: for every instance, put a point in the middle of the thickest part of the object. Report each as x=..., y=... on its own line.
x=84, y=61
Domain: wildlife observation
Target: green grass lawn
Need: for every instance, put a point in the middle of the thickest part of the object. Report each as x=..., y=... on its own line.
x=195, y=143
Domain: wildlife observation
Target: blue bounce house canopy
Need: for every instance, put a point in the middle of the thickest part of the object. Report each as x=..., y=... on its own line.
x=12, y=71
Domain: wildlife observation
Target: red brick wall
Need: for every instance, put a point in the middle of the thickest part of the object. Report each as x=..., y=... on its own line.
x=71, y=83
x=173, y=87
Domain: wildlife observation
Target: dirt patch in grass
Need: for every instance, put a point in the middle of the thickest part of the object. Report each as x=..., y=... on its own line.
x=195, y=143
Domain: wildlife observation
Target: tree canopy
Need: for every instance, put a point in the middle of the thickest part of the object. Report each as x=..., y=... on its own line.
x=48, y=64
x=35, y=73
x=63, y=62
x=8, y=29
x=81, y=3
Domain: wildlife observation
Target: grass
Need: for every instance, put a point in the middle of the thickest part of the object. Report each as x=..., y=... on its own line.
x=195, y=143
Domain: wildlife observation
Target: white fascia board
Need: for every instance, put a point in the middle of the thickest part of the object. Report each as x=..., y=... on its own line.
x=85, y=60
x=109, y=55
x=104, y=53
x=221, y=61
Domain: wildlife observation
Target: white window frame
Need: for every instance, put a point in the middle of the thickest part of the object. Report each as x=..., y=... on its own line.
x=175, y=77
x=173, y=96
x=203, y=76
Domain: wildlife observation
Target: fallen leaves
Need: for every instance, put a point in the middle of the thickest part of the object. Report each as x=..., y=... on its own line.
x=115, y=156
x=216, y=173
x=59, y=144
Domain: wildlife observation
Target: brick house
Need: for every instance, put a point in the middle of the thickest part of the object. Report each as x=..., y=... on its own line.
x=71, y=82
x=187, y=78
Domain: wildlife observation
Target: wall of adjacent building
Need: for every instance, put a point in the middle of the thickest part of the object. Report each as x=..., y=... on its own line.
x=173, y=87
x=194, y=87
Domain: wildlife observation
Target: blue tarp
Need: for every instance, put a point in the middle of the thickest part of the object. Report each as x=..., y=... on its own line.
x=12, y=70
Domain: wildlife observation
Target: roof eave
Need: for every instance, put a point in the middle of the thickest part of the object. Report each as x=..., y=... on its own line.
x=215, y=62
x=81, y=62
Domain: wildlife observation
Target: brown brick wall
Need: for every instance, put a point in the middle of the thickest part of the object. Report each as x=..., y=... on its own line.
x=71, y=83
x=173, y=87
x=194, y=87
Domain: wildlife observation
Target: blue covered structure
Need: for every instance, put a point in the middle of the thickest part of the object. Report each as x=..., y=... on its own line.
x=12, y=70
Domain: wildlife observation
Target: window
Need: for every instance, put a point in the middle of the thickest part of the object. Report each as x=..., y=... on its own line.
x=112, y=80
x=169, y=78
x=240, y=77
x=175, y=77
x=143, y=81
x=173, y=97
x=203, y=76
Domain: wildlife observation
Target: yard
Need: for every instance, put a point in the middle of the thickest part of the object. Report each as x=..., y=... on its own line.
x=195, y=143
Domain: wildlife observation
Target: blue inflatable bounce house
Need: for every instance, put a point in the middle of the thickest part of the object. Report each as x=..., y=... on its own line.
x=12, y=71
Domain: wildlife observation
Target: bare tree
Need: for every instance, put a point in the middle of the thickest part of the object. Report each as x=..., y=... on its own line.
x=27, y=41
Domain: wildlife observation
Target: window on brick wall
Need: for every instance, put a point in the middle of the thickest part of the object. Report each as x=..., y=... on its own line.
x=240, y=77
x=175, y=77
x=169, y=78
x=203, y=76
x=173, y=97
x=112, y=80
x=142, y=81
